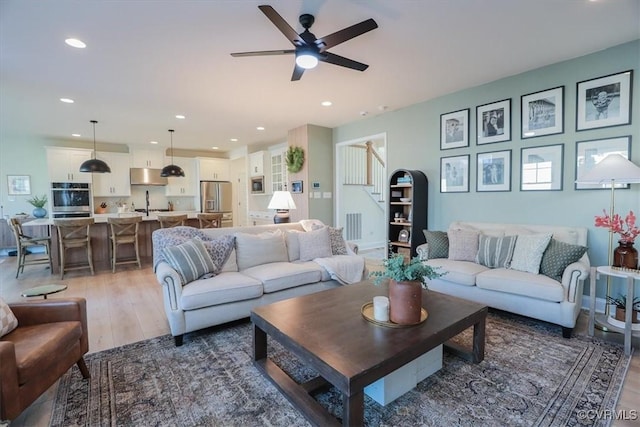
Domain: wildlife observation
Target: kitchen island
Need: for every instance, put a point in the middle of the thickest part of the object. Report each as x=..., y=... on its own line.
x=100, y=243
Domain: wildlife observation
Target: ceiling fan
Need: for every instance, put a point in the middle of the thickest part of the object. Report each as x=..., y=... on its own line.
x=309, y=49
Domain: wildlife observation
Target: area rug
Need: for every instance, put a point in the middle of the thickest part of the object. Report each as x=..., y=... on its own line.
x=530, y=376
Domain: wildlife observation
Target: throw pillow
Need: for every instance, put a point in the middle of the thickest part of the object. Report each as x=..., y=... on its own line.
x=258, y=249
x=190, y=259
x=528, y=252
x=558, y=256
x=338, y=246
x=463, y=245
x=293, y=244
x=311, y=224
x=8, y=321
x=315, y=244
x=219, y=249
x=496, y=252
x=438, y=243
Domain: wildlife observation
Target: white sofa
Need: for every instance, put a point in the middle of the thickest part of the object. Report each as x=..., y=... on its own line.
x=236, y=290
x=521, y=292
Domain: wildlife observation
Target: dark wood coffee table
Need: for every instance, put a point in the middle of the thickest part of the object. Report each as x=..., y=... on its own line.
x=327, y=332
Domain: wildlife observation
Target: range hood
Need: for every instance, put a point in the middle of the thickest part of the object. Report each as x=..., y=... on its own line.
x=145, y=176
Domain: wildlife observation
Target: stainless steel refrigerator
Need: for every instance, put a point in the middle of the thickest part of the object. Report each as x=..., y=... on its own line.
x=215, y=196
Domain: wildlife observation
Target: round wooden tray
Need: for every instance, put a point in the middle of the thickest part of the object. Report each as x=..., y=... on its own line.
x=367, y=313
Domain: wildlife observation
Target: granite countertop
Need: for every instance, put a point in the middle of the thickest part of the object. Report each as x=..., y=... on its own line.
x=102, y=218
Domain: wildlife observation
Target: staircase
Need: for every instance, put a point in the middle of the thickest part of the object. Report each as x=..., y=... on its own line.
x=362, y=165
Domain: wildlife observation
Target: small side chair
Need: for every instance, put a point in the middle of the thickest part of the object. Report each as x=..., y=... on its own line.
x=168, y=221
x=25, y=242
x=124, y=231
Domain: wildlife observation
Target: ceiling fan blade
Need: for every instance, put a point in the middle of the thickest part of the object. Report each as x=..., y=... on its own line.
x=297, y=73
x=282, y=25
x=265, y=52
x=334, y=59
x=345, y=34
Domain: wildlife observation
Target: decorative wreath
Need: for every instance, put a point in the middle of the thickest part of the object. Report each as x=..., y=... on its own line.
x=294, y=159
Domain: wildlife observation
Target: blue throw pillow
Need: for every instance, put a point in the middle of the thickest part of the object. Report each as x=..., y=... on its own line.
x=190, y=259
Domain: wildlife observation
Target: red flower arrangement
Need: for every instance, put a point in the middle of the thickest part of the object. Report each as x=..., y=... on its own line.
x=626, y=228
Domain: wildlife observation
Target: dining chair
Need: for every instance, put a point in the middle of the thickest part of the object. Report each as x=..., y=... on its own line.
x=124, y=231
x=74, y=233
x=25, y=243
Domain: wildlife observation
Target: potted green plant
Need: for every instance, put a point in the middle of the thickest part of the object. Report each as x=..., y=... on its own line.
x=406, y=282
x=38, y=203
x=620, y=302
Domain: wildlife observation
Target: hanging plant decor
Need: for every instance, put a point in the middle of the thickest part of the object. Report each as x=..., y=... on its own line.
x=294, y=159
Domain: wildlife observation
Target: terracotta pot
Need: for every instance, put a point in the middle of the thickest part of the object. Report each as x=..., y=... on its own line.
x=625, y=255
x=621, y=312
x=405, y=302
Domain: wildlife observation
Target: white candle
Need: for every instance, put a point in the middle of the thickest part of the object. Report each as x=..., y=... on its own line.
x=381, y=309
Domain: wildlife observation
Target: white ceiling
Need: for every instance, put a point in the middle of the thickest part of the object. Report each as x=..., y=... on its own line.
x=148, y=60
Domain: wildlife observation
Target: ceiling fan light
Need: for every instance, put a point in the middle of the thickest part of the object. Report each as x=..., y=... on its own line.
x=306, y=60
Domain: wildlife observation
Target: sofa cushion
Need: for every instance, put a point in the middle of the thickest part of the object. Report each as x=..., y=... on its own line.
x=528, y=252
x=190, y=259
x=521, y=283
x=284, y=275
x=315, y=244
x=463, y=245
x=293, y=244
x=338, y=246
x=460, y=272
x=258, y=249
x=219, y=249
x=8, y=321
x=221, y=289
x=558, y=256
x=438, y=243
x=495, y=252
x=231, y=264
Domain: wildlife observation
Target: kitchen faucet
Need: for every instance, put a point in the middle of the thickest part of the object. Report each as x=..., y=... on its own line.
x=147, y=202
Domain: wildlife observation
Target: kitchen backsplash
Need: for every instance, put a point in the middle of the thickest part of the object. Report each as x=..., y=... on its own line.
x=157, y=200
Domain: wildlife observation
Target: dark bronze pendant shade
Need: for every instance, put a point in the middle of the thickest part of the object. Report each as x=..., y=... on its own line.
x=94, y=165
x=172, y=170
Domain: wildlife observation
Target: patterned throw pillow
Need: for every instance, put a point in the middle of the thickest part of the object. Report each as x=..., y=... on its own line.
x=558, y=256
x=219, y=249
x=438, y=243
x=190, y=259
x=8, y=321
x=496, y=252
x=527, y=254
x=463, y=245
x=338, y=246
x=315, y=244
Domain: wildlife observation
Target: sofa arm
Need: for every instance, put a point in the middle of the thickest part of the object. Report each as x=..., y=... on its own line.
x=572, y=275
x=49, y=311
x=9, y=387
x=423, y=251
x=353, y=247
x=170, y=279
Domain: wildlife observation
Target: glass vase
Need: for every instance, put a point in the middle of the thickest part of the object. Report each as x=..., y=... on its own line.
x=625, y=255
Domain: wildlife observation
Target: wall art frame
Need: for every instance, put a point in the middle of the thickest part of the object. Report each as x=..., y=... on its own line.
x=541, y=168
x=604, y=101
x=296, y=187
x=19, y=185
x=493, y=171
x=454, y=174
x=590, y=153
x=454, y=129
x=493, y=122
x=542, y=113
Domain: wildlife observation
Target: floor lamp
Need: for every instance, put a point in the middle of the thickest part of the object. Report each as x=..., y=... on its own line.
x=612, y=170
x=282, y=202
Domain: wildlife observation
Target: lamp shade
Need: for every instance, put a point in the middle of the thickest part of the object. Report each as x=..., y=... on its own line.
x=614, y=168
x=171, y=170
x=281, y=200
x=95, y=166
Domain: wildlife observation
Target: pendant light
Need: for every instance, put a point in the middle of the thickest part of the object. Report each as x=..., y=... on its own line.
x=94, y=165
x=172, y=170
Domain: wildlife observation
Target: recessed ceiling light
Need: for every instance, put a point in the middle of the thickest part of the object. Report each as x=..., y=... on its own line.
x=234, y=140
x=326, y=103
x=67, y=100
x=214, y=148
x=77, y=135
x=180, y=116
x=75, y=43
x=260, y=128
x=153, y=142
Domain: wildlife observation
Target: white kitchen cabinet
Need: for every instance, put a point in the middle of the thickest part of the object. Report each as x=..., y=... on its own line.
x=258, y=163
x=278, y=168
x=147, y=158
x=117, y=183
x=64, y=164
x=213, y=169
x=183, y=186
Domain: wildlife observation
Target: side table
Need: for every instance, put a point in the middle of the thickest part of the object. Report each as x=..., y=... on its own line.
x=43, y=291
x=630, y=277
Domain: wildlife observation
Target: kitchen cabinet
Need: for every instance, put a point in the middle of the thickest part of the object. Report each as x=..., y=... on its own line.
x=407, y=212
x=278, y=168
x=116, y=183
x=148, y=158
x=258, y=163
x=213, y=170
x=64, y=164
x=186, y=185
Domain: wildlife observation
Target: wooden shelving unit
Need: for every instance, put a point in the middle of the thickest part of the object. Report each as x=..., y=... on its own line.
x=407, y=211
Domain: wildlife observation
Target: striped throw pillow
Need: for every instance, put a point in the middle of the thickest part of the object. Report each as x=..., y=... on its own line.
x=496, y=252
x=190, y=259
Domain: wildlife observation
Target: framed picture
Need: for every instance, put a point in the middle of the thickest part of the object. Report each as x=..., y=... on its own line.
x=454, y=174
x=541, y=168
x=494, y=171
x=454, y=129
x=604, y=102
x=19, y=185
x=296, y=186
x=543, y=113
x=590, y=153
x=493, y=122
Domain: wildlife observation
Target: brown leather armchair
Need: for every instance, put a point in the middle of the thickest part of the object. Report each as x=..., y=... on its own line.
x=50, y=338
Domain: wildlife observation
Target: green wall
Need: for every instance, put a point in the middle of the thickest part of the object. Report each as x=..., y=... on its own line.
x=413, y=143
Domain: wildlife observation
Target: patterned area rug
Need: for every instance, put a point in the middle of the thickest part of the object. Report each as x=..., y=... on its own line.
x=531, y=376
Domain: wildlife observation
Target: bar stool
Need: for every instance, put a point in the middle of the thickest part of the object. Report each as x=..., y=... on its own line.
x=124, y=231
x=25, y=242
x=210, y=220
x=74, y=233
x=168, y=221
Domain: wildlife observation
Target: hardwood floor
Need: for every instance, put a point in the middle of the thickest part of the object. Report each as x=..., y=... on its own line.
x=126, y=307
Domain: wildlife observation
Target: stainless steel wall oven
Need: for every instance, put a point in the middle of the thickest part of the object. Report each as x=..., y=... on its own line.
x=70, y=199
